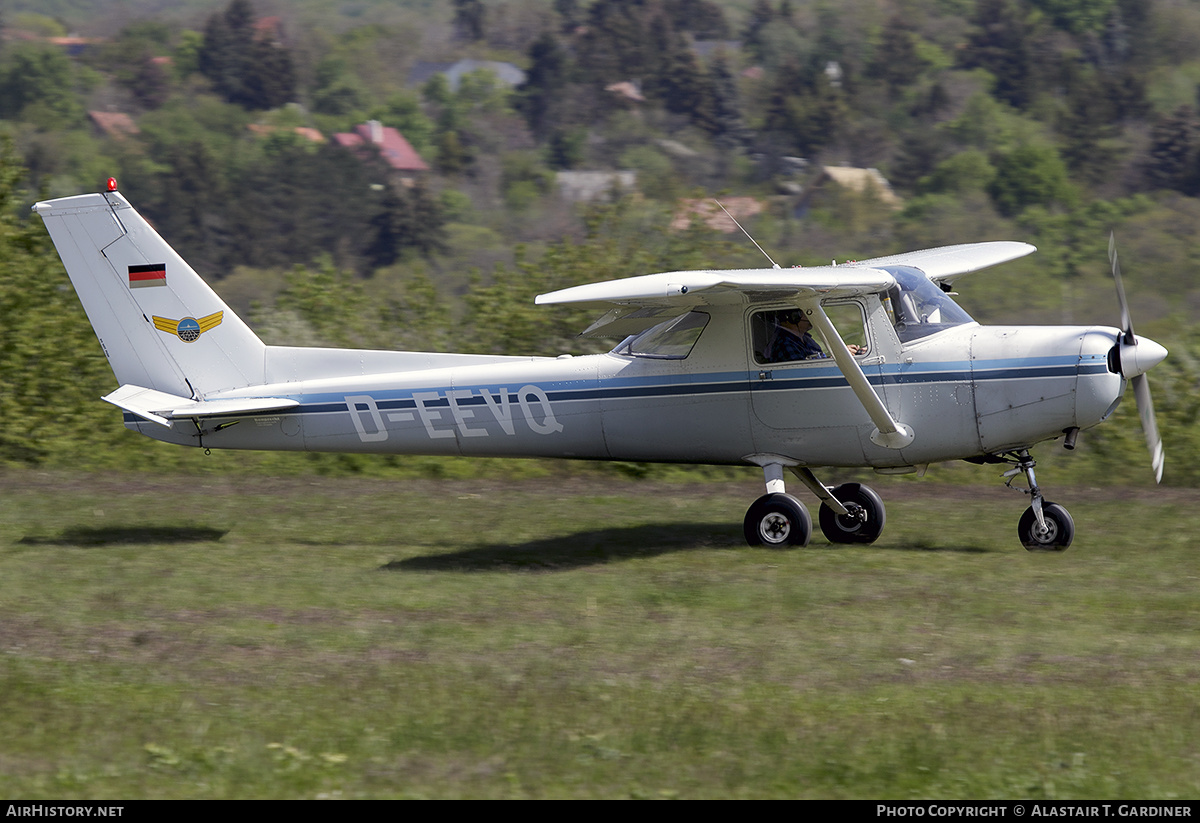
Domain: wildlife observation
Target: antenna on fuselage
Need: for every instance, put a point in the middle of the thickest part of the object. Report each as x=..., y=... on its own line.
x=774, y=265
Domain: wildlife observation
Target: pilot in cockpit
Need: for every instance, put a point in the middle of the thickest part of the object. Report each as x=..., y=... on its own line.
x=793, y=339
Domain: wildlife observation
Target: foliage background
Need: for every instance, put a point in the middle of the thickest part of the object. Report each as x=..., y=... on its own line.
x=1051, y=121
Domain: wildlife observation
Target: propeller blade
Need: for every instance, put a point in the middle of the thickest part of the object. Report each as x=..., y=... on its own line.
x=1145, y=405
x=1134, y=365
x=1126, y=319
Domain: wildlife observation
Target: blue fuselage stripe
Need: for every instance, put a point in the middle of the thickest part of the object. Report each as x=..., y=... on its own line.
x=782, y=379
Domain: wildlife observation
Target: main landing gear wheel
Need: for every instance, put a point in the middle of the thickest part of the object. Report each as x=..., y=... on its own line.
x=777, y=521
x=1055, y=537
x=865, y=522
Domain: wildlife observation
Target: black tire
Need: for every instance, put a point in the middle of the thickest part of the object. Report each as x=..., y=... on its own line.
x=840, y=528
x=1059, y=532
x=777, y=521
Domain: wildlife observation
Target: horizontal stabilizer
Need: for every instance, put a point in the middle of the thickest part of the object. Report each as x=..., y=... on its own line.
x=161, y=407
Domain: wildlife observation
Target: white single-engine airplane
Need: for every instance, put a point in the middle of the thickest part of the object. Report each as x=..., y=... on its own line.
x=703, y=375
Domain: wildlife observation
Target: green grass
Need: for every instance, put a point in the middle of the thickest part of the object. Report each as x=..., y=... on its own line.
x=176, y=637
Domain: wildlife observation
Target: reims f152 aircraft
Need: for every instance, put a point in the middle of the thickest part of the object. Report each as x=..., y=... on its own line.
x=703, y=375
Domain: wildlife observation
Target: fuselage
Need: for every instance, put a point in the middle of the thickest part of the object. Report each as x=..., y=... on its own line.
x=965, y=390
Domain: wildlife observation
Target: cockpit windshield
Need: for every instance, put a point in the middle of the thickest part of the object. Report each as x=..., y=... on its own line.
x=917, y=307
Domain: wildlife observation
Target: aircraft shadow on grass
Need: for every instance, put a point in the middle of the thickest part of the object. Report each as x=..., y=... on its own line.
x=92, y=536
x=601, y=546
x=579, y=550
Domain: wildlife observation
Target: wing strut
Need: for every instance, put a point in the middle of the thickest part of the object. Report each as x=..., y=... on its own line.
x=888, y=433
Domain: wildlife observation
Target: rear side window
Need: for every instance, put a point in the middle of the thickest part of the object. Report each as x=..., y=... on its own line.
x=670, y=340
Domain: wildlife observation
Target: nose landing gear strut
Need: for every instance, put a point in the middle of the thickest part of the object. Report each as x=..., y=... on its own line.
x=1045, y=526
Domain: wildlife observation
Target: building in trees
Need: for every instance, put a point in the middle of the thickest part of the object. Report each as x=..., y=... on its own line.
x=424, y=70
x=393, y=148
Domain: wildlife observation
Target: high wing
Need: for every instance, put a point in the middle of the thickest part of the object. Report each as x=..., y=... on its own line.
x=946, y=263
x=806, y=287
x=713, y=287
x=638, y=301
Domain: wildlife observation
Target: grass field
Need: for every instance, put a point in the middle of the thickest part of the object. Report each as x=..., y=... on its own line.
x=174, y=637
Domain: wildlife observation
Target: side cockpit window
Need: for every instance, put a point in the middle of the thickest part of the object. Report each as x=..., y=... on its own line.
x=787, y=335
x=670, y=340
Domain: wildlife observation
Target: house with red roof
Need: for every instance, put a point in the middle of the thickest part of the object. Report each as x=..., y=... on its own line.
x=393, y=148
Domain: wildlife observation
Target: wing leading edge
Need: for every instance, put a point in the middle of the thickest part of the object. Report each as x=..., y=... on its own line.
x=944, y=264
x=711, y=286
x=705, y=287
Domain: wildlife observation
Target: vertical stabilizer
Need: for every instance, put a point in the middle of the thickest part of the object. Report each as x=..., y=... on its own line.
x=159, y=323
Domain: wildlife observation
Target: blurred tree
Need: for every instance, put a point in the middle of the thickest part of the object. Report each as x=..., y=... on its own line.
x=51, y=368
x=806, y=107
x=566, y=149
x=615, y=43
x=38, y=82
x=1031, y=176
x=684, y=87
x=451, y=157
x=1173, y=153
x=281, y=218
x=1078, y=16
x=248, y=69
x=152, y=83
x=1002, y=41
x=548, y=75
x=570, y=13
x=758, y=23
x=705, y=20
x=409, y=220
x=967, y=171
x=895, y=61
x=336, y=90
x=184, y=194
x=1088, y=128
x=726, y=123
x=920, y=150
x=469, y=19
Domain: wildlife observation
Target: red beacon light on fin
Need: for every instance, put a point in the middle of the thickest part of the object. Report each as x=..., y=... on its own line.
x=111, y=185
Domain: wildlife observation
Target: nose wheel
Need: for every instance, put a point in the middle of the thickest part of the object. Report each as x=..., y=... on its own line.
x=1045, y=526
x=1053, y=534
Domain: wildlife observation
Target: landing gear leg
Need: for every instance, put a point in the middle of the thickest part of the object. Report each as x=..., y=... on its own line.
x=1045, y=526
x=850, y=513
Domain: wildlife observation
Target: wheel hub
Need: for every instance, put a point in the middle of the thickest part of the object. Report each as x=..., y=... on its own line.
x=775, y=528
x=1045, y=534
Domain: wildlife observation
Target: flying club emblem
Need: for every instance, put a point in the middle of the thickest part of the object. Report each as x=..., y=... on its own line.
x=188, y=329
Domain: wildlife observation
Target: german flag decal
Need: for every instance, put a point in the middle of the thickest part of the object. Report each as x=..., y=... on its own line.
x=188, y=329
x=154, y=274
